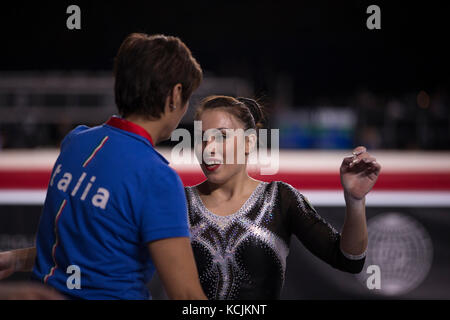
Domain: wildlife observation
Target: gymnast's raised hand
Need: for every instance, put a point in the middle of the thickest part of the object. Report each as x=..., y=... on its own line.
x=359, y=173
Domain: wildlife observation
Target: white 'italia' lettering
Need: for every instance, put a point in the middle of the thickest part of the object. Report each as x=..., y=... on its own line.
x=63, y=184
x=99, y=199
x=88, y=187
x=74, y=192
x=57, y=170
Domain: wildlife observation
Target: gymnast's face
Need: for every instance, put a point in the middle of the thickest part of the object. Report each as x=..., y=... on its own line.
x=225, y=140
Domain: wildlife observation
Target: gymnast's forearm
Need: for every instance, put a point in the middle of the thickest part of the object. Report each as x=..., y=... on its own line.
x=354, y=231
x=24, y=259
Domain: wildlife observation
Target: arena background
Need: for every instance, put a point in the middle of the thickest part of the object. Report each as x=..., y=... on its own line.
x=328, y=83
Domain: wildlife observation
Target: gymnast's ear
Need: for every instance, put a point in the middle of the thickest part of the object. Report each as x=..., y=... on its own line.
x=250, y=143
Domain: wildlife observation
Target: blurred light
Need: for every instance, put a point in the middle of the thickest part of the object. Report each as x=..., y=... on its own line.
x=423, y=99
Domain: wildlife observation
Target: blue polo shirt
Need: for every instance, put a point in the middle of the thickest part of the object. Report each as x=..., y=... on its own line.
x=110, y=194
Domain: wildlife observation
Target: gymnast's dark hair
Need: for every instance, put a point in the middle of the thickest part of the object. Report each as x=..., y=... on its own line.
x=146, y=69
x=247, y=110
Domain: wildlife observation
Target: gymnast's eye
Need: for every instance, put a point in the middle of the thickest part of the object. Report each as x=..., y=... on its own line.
x=224, y=133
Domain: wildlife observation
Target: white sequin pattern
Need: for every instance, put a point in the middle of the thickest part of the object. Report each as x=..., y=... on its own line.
x=229, y=233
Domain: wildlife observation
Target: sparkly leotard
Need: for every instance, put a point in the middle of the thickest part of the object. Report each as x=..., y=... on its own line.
x=243, y=255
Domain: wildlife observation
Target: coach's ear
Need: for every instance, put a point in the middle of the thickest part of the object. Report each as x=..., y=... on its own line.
x=174, y=100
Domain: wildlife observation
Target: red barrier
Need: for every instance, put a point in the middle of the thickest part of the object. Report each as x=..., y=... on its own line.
x=38, y=179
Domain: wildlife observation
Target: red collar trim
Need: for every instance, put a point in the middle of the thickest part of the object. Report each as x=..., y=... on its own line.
x=129, y=126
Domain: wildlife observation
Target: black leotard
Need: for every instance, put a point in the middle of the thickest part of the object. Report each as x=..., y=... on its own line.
x=243, y=255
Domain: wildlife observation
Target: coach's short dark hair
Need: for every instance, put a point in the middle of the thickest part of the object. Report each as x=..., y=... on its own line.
x=147, y=67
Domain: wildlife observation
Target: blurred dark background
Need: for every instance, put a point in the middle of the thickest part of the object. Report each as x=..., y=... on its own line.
x=326, y=80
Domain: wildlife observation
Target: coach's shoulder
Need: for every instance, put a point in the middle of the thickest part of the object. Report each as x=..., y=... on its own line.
x=77, y=130
x=159, y=168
